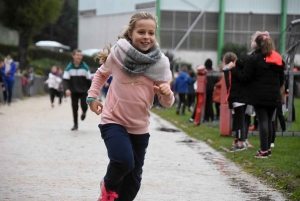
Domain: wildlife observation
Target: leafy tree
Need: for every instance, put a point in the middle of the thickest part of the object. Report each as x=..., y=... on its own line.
x=28, y=17
x=65, y=29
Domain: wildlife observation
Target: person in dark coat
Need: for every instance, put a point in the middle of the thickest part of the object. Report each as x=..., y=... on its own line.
x=8, y=77
x=181, y=87
x=236, y=100
x=211, y=81
x=191, y=95
x=263, y=76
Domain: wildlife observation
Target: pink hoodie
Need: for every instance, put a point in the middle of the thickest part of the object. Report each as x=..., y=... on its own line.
x=128, y=103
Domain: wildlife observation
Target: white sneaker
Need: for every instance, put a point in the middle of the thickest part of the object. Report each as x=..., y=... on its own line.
x=272, y=145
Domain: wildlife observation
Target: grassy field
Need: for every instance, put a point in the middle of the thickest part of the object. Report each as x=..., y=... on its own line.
x=281, y=170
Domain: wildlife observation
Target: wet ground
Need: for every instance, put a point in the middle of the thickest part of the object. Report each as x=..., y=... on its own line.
x=42, y=159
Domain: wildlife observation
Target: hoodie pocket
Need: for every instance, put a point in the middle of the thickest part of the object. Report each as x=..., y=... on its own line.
x=130, y=113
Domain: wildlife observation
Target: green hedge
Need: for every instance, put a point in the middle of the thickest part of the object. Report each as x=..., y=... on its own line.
x=34, y=54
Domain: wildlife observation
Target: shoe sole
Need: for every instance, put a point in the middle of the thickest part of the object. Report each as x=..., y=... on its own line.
x=261, y=156
x=237, y=150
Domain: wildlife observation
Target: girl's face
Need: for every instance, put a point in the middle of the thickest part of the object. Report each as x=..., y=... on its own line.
x=54, y=69
x=143, y=35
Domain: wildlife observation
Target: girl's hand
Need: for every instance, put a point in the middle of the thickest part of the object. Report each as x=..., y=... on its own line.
x=68, y=92
x=231, y=65
x=96, y=106
x=163, y=89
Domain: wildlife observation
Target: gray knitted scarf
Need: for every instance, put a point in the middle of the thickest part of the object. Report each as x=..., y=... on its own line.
x=154, y=64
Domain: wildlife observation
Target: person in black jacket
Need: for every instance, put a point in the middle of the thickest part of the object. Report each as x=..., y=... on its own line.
x=262, y=75
x=210, y=85
x=236, y=100
x=77, y=81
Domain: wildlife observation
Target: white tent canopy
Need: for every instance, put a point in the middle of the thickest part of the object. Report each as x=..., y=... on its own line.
x=52, y=44
x=91, y=52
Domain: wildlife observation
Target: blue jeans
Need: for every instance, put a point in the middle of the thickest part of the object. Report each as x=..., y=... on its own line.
x=9, y=85
x=126, y=153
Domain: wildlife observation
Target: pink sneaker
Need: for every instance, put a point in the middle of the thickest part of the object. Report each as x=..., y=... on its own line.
x=106, y=195
x=249, y=144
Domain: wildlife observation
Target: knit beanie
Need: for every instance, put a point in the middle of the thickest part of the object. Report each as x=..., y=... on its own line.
x=201, y=69
x=253, y=43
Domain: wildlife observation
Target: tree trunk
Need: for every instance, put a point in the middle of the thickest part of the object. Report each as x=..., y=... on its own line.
x=22, y=50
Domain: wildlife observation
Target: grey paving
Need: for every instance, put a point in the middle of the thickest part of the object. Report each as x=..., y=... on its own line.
x=42, y=159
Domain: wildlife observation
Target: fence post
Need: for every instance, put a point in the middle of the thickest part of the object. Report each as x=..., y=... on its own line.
x=225, y=113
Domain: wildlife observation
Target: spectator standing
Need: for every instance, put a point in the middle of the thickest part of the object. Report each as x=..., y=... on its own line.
x=288, y=97
x=211, y=81
x=8, y=77
x=217, y=94
x=181, y=87
x=236, y=100
x=77, y=81
x=30, y=81
x=24, y=82
x=200, y=93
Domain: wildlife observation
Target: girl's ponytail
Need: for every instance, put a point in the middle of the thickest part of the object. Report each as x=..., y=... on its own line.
x=103, y=54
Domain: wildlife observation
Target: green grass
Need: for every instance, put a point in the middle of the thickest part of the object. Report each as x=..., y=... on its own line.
x=281, y=170
x=296, y=125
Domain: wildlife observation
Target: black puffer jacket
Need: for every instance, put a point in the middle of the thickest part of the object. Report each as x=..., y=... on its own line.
x=236, y=88
x=262, y=78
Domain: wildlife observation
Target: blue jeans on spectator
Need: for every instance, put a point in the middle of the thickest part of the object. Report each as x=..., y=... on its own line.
x=9, y=85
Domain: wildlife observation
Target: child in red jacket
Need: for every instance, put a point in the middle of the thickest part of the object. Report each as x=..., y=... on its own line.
x=200, y=94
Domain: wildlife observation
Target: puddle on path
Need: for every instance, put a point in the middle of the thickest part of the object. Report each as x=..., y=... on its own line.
x=237, y=179
x=171, y=130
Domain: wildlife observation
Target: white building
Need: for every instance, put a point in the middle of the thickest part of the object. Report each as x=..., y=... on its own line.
x=189, y=28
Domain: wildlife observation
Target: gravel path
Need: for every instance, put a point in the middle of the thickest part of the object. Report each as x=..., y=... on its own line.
x=42, y=159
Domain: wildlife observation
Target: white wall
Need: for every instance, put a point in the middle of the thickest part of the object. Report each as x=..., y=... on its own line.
x=232, y=6
x=196, y=57
x=86, y=5
x=95, y=31
x=108, y=7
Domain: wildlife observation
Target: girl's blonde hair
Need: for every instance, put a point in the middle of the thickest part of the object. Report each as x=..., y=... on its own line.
x=103, y=54
x=265, y=44
x=229, y=57
x=129, y=28
x=136, y=17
